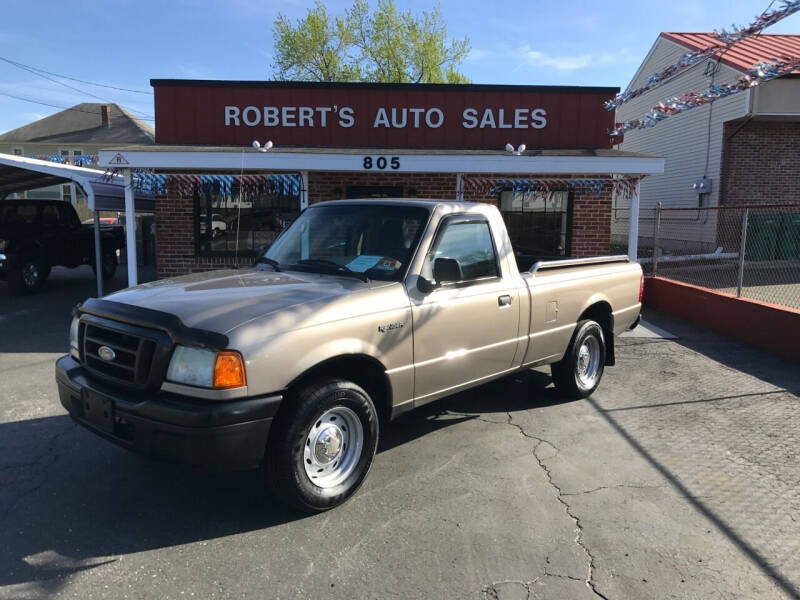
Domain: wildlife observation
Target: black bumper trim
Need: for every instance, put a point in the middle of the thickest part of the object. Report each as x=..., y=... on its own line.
x=224, y=435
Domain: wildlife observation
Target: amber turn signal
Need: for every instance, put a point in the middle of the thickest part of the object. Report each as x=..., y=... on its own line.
x=229, y=370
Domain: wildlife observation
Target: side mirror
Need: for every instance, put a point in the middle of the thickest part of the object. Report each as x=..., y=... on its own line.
x=447, y=270
x=425, y=286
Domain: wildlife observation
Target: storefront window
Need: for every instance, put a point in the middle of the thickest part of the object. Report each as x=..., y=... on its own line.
x=536, y=221
x=244, y=220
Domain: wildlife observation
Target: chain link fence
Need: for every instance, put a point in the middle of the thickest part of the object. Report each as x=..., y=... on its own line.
x=748, y=251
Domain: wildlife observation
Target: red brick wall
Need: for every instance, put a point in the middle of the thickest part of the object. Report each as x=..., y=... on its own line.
x=175, y=244
x=761, y=163
x=333, y=185
x=591, y=224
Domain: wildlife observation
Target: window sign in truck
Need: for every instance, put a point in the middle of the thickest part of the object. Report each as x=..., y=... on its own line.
x=359, y=311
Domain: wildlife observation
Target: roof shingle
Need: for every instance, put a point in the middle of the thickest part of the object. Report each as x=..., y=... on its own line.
x=82, y=124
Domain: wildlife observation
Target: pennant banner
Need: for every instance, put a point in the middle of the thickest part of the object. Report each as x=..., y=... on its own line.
x=726, y=39
x=485, y=186
x=760, y=73
x=158, y=184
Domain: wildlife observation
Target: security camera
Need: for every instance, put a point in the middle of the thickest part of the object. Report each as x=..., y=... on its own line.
x=521, y=148
x=256, y=144
x=509, y=148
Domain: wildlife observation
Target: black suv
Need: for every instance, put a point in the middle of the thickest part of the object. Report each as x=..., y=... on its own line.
x=36, y=235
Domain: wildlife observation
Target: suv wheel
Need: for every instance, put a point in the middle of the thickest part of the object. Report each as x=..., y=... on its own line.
x=321, y=445
x=109, y=262
x=578, y=374
x=28, y=278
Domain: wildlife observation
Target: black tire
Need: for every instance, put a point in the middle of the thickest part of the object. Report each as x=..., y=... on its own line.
x=578, y=374
x=28, y=277
x=290, y=438
x=109, y=259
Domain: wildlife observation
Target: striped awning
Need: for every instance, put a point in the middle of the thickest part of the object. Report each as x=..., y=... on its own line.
x=179, y=184
x=485, y=186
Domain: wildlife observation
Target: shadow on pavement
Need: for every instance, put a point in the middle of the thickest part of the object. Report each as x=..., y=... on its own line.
x=68, y=499
x=734, y=354
x=40, y=322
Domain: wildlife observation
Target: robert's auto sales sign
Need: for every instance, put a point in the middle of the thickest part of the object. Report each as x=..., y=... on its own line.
x=224, y=113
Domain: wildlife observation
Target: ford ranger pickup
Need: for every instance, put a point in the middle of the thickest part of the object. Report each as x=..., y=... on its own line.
x=359, y=311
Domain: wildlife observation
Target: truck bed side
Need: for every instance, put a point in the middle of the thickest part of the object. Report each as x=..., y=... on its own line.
x=561, y=296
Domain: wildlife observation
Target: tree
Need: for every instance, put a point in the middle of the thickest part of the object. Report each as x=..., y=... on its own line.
x=386, y=45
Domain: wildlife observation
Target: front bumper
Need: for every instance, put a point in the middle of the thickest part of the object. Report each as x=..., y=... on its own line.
x=225, y=436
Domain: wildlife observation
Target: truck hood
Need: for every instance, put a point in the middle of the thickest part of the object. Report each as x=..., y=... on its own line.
x=221, y=300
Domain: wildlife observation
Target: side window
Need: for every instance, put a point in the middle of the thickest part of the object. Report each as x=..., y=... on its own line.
x=68, y=217
x=26, y=214
x=469, y=243
x=49, y=217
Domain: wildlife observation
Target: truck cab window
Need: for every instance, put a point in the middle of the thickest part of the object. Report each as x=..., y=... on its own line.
x=49, y=216
x=469, y=243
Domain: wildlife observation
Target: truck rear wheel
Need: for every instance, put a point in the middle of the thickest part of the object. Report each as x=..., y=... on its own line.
x=578, y=374
x=321, y=445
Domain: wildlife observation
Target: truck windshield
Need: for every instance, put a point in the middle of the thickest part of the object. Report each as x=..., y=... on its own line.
x=371, y=240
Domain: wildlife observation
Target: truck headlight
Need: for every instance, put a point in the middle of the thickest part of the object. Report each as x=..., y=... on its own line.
x=73, y=339
x=206, y=368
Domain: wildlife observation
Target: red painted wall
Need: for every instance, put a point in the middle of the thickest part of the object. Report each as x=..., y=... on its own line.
x=194, y=112
x=773, y=328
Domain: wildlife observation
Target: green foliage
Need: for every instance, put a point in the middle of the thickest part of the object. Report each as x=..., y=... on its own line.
x=386, y=45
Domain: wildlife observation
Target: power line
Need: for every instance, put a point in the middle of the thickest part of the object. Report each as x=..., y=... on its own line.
x=66, y=85
x=91, y=112
x=94, y=83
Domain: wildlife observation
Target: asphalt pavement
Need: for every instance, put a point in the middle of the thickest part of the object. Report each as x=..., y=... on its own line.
x=678, y=479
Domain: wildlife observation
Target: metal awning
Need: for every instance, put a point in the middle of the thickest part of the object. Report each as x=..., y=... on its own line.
x=103, y=191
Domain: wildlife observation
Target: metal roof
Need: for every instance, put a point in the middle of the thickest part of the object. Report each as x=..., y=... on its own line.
x=104, y=191
x=746, y=53
x=82, y=124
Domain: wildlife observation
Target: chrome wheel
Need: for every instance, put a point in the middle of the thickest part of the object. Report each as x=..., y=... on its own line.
x=333, y=447
x=30, y=274
x=587, y=367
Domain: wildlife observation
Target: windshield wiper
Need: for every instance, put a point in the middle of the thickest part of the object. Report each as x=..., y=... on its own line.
x=324, y=262
x=263, y=260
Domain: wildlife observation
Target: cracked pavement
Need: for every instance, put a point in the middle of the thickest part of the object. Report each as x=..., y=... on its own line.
x=677, y=479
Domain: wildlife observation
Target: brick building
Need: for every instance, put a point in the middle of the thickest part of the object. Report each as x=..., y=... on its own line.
x=541, y=154
x=746, y=146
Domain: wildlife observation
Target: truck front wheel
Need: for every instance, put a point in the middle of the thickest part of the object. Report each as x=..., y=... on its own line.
x=578, y=374
x=321, y=445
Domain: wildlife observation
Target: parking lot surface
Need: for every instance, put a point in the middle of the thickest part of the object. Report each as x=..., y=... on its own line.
x=678, y=479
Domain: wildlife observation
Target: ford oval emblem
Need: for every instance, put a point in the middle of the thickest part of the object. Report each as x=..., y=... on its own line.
x=106, y=353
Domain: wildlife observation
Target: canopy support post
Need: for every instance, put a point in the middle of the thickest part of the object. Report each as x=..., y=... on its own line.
x=130, y=229
x=633, y=225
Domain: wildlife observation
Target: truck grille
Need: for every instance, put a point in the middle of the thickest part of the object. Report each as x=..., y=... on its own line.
x=134, y=357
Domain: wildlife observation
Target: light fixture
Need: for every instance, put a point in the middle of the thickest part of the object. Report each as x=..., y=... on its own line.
x=518, y=151
x=267, y=145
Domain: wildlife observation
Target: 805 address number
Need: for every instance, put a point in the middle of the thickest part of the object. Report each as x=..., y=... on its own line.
x=381, y=162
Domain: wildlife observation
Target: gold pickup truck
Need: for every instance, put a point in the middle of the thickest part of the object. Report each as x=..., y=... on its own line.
x=359, y=311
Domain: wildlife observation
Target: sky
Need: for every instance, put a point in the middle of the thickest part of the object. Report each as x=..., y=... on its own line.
x=125, y=43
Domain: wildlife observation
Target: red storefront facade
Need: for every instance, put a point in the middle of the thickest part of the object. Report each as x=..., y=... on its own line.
x=554, y=183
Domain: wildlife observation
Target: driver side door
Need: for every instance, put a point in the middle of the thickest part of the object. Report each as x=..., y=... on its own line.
x=467, y=329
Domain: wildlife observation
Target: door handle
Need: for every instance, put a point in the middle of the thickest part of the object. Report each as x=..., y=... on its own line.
x=504, y=300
